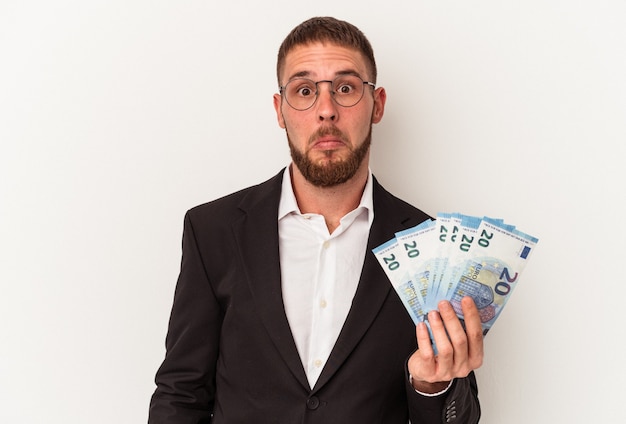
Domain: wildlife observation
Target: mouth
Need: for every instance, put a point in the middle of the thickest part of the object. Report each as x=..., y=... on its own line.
x=328, y=139
x=327, y=143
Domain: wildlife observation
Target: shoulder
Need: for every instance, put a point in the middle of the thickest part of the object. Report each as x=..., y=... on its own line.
x=387, y=203
x=234, y=204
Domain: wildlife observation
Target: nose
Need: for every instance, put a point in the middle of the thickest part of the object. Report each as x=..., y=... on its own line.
x=326, y=106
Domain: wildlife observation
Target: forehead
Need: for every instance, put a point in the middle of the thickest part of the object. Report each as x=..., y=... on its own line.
x=323, y=61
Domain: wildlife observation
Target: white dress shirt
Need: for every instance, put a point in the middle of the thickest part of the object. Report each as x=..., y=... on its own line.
x=320, y=273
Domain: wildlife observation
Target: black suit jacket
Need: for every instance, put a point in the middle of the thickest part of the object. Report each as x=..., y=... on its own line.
x=231, y=357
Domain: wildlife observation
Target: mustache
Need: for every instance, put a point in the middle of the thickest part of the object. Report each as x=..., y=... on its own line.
x=325, y=131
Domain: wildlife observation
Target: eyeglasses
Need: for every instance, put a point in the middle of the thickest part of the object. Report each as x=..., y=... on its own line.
x=346, y=90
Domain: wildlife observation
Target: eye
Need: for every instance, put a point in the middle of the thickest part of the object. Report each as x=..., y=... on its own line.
x=305, y=91
x=301, y=88
x=344, y=88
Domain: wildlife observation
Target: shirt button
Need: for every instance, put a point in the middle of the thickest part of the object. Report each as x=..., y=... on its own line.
x=323, y=304
x=317, y=363
x=326, y=244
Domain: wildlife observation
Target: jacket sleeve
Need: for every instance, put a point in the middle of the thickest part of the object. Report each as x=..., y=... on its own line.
x=186, y=379
x=457, y=405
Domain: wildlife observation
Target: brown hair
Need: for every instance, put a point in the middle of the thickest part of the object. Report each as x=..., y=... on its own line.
x=327, y=30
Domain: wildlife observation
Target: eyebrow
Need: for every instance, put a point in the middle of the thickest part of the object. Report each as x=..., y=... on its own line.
x=301, y=74
x=307, y=74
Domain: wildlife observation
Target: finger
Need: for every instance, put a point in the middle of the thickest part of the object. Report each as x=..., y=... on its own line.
x=474, y=330
x=451, y=321
x=424, y=343
x=473, y=325
x=445, y=352
x=456, y=333
x=422, y=363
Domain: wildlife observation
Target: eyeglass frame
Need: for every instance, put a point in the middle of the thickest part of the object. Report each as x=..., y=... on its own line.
x=281, y=89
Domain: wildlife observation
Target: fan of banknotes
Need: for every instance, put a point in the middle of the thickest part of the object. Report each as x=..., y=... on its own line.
x=455, y=256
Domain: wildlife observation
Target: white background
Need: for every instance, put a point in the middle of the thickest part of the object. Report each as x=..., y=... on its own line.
x=117, y=116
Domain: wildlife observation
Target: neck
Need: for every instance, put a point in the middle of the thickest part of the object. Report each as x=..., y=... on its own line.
x=330, y=202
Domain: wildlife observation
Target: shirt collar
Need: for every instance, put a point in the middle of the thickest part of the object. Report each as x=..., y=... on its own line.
x=288, y=203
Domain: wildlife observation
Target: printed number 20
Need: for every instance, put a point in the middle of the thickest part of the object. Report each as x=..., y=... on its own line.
x=391, y=262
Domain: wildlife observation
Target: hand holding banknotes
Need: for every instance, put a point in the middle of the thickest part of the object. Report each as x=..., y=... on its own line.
x=454, y=276
x=460, y=351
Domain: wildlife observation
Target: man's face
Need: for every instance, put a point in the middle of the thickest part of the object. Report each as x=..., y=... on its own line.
x=329, y=143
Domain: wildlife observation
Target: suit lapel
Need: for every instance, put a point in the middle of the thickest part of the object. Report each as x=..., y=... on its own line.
x=373, y=286
x=257, y=239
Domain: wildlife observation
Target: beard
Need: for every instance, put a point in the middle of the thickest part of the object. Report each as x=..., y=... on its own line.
x=330, y=172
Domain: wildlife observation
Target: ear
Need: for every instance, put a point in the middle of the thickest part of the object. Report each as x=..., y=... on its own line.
x=380, y=97
x=279, y=115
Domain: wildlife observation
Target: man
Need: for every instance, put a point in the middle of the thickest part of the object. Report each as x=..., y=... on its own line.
x=282, y=313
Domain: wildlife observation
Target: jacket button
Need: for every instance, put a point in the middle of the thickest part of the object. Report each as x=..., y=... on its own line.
x=313, y=402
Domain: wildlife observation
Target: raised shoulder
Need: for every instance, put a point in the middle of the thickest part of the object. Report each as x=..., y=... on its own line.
x=231, y=206
x=389, y=204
